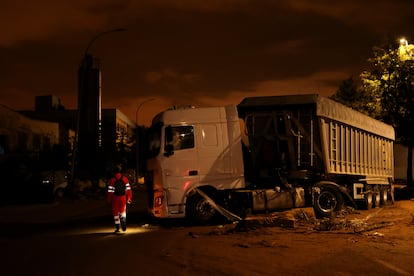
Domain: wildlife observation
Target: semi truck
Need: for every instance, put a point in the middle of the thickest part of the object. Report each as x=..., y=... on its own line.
x=267, y=154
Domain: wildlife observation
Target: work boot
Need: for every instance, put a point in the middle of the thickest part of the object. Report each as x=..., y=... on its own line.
x=116, y=228
x=123, y=224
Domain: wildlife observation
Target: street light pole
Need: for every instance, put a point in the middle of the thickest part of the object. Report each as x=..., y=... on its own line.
x=137, y=139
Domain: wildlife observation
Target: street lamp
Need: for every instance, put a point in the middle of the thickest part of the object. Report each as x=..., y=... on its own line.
x=405, y=51
x=86, y=64
x=403, y=41
x=136, y=137
x=99, y=35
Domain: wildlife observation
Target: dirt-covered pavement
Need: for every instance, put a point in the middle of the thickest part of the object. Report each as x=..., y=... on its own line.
x=372, y=242
x=379, y=241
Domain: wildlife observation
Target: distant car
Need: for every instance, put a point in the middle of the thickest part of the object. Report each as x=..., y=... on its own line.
x=58, y=179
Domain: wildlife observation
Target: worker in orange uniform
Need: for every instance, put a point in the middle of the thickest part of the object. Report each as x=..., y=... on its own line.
x=118, y=195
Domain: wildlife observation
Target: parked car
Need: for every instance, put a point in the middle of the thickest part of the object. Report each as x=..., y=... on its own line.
x=58, y=179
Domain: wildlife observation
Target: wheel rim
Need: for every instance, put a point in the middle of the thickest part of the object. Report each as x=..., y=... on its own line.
x=327, y=201
x=204, y=209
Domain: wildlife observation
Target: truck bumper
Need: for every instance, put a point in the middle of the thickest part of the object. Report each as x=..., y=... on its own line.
x=161, y=209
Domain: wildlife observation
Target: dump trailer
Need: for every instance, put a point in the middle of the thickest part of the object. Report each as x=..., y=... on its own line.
x=267, y=154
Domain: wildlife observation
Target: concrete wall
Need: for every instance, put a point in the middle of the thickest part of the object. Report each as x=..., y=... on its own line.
x=400, y=162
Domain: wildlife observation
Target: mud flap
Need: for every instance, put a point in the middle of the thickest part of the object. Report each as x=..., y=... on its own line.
x=226, y=213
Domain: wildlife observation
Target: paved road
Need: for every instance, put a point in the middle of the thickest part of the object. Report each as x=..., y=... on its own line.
x=75, y=237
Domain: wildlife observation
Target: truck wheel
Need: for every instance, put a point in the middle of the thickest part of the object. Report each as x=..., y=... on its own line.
x=369, y=200
x=377, y=200
x=384, y=195
x=199, y=210
x=328, y=202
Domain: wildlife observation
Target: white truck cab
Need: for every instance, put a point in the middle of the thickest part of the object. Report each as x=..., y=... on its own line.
x=192, y=148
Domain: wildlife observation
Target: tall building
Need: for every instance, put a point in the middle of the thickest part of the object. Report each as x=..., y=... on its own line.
x=89, y=124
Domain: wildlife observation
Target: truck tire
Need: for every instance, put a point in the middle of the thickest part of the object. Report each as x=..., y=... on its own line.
x=199, y=210
x=384, y=195
x=373, y=198
x=369, y=201
x=377, y=200
x=328, y=202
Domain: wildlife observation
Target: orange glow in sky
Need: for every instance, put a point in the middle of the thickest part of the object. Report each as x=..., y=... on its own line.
x=200, y=53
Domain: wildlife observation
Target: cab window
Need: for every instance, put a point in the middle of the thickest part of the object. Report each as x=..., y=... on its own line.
x=182, y=137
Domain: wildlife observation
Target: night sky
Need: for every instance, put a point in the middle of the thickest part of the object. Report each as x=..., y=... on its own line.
x=187, y=52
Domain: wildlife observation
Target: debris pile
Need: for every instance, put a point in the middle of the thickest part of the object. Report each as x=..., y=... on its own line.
x=301, y=219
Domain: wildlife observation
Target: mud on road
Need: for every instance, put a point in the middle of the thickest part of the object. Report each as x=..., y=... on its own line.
x=379, y=241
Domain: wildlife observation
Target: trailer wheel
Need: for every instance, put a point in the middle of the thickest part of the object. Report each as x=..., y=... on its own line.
x=384, y=195
x=369, y=200
x=328, y=202
x=373, y=199
x=377, y=199
x=199, y=210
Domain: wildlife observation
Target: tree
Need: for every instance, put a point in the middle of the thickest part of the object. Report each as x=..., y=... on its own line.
x=390, y=85
x=387, y=92
x=351, y=95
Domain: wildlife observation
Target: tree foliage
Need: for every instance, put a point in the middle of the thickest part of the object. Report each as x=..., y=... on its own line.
x=350, y=94
x=387, y=92
x=391, y=84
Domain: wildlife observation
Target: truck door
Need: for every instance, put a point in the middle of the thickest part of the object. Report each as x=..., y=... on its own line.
x=180, y=165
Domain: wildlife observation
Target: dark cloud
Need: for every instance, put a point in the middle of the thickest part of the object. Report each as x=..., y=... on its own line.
x=190, y=51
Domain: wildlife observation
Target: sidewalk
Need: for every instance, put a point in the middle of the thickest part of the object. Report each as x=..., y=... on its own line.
x=59, y=211
x=64, y=210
